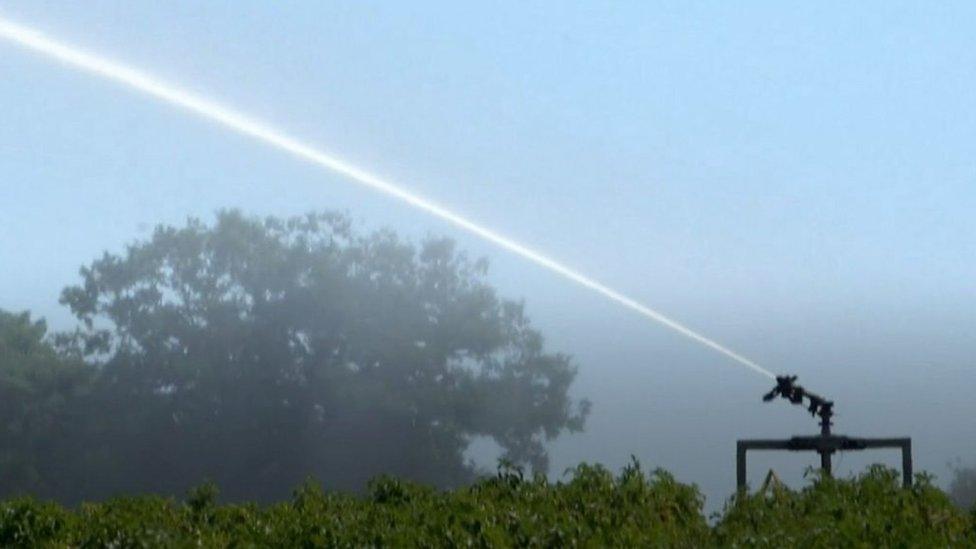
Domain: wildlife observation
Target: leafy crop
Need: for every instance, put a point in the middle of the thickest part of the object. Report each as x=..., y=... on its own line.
x=594, y=508
x=872, y=510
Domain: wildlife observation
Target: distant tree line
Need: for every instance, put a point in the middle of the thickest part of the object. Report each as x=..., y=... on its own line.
x=963, y=487
x=259, y=352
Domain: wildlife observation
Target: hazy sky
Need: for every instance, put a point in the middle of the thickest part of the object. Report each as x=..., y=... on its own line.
x=798, y=182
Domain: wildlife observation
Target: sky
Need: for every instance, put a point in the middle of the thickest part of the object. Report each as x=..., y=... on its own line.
x=795, y=181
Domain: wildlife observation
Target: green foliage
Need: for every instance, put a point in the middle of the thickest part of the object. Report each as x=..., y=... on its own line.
x=259, y=352
x=593, y=509
x=36, y=386
x=868, y=511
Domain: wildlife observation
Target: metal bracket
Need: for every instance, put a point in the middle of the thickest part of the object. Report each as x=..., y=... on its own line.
x=826, y=446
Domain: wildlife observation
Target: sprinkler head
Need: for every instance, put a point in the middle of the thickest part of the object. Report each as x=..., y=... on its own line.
x=787, y=388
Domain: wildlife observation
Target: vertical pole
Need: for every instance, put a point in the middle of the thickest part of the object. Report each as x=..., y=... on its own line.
x=906, y=463
x=825, y=462
x=740, y=465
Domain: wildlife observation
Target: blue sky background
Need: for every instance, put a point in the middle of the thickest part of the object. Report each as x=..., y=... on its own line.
x=797, y=181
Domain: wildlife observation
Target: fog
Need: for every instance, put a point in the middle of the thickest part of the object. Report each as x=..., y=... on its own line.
x=796, y=184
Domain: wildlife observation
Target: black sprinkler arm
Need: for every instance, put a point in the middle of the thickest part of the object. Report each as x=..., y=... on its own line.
x=787, y=388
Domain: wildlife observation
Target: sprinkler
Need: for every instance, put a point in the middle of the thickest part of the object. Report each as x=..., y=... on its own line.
x=787, y=388
x=826, y=443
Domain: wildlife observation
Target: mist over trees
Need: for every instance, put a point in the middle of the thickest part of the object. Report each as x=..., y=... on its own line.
x=259, y=352
x=40, y=392
x=962, y=490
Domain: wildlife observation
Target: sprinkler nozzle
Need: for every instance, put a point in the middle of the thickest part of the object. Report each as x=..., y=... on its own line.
x=787, y=388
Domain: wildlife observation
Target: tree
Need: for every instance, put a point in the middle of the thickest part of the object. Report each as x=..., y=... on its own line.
x=259, y=352
x=962, y=490
x=36, y=420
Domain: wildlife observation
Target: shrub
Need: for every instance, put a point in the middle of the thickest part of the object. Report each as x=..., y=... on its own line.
x=592, y=508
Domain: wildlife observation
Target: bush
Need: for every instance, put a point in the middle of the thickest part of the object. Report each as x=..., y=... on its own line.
x=593, y=508
x=870, y=509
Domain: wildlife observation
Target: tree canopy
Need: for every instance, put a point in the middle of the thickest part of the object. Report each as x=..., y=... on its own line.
x=36, y=384
x=258, y=352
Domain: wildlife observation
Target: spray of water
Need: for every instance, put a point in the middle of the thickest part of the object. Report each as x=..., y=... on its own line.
x=144, y=82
